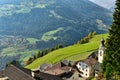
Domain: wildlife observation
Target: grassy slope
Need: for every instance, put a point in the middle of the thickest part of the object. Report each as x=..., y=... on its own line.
x=74, y=52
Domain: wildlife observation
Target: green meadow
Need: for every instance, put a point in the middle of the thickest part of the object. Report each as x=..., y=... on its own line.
x=74, y=52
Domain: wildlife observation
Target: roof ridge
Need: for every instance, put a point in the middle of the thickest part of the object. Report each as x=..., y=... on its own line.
x=22, y=71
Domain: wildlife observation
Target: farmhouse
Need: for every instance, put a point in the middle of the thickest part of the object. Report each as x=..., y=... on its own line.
x=92, y=64
x=13, y=72
x=61, y=69
x=85, y=67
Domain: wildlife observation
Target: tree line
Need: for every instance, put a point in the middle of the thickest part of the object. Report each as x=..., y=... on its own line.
x=87, y=38
x=42, y=53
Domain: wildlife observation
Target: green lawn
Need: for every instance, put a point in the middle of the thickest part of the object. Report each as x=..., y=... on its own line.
x=74, y=52
x=79, y=56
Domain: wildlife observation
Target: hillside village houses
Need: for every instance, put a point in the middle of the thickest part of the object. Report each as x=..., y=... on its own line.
x=63, y=70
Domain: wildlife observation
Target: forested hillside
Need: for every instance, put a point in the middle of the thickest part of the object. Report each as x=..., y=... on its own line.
x=53, y=21
x=27, y=26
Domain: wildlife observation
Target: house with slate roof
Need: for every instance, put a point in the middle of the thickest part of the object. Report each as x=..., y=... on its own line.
x=86, y=66
x=13, y=72
x=60, y=69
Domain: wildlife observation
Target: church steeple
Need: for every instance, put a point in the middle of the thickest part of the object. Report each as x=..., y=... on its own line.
x=101, y=51
x=102, y=45
x=102, y=41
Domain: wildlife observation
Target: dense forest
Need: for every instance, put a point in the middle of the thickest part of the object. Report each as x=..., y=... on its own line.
x=53, y=21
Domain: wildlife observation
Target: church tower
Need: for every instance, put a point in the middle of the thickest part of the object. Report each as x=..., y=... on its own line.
x=101, y=51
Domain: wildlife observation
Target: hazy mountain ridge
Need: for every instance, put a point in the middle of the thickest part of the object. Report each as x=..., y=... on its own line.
x=112, y=8
x=105, y=3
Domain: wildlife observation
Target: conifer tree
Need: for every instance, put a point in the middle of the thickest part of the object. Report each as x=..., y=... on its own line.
x=38, y=54
x=111, y=62
x=90, y=35
x=94, y=33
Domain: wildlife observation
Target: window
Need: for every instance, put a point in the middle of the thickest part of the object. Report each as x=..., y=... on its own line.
x=80, y=64
x=86, y=74
x=86, y=70
x=100, y=53
x=83, y=69
x=86, y=66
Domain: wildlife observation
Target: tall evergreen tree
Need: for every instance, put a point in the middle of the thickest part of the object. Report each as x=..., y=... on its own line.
x=90, y=35
x=38, y=54
x=111, y=62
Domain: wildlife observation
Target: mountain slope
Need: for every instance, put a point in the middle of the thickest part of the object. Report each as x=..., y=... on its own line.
x=72, y=19
x=105, y=3
x=74, y=52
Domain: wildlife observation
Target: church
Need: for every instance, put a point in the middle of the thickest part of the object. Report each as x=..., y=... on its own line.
x=91, y=66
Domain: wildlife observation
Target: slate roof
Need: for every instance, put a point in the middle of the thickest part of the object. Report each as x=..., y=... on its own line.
x=65, y=62
x=94, y=55
x=44, y=76
x=1, y=74
x=89, y=61
x=72, y=63
x=60, y=69
x=97, y=66
x=18, y=73
x=57, y=69
x=15, y=73
x=45, y=66
x=25, y=70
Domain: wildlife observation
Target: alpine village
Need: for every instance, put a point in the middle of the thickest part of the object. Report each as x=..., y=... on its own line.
x=93, y=56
